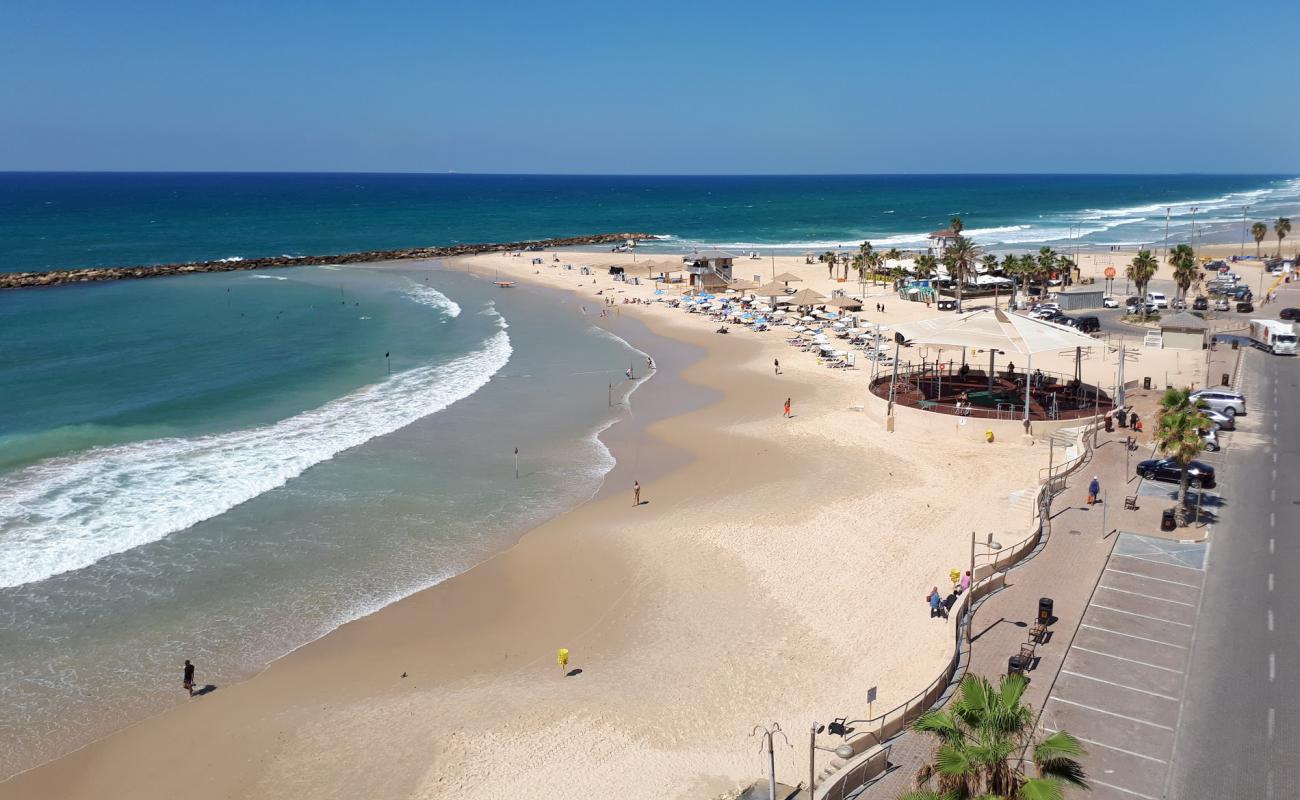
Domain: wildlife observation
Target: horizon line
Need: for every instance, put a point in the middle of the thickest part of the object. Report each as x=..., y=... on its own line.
x=640, y=174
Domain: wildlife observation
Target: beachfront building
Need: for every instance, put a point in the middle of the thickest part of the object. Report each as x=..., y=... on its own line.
x=939, y=241
x=1183, y=331
x=709, y=268
x=1077, y=299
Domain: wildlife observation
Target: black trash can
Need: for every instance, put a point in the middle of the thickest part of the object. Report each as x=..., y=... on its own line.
x=1168, y=520
x=1235, y=344
x=1146, y=382
x=1044, y=610
x=1016, y=665
x=1224, y=380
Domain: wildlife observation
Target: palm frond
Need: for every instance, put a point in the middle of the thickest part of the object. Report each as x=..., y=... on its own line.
x=1040, y=789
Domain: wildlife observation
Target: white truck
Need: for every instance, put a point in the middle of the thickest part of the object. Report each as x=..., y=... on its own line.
x=1274, y=336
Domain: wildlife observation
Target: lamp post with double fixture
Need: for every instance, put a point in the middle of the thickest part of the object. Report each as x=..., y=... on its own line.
x=992, y=547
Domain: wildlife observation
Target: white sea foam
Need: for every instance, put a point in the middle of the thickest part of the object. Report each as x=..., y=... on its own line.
x=230, y=260
x=270, y=277
x=429, y=296
x=67, y=513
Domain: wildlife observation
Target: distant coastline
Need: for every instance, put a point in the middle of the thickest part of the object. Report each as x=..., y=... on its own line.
x=63, y=277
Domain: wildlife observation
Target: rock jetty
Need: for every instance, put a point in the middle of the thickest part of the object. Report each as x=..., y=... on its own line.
x=63, y=277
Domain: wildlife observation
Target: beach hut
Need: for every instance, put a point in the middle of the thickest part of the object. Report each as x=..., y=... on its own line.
x=1183, y=331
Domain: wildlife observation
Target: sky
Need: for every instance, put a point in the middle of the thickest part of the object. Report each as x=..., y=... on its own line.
x=668, y=87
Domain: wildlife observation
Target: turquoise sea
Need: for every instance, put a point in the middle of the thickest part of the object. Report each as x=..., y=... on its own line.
x=223, y=467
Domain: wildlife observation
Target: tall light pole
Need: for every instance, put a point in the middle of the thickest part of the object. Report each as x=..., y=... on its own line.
x=1244, y=209
x=993, y=547
x=768, y=733
x=844, y=751
x=1165, y=250
x=1194, y=210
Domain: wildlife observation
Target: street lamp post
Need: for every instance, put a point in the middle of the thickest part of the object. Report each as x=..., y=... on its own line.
x=844, y=751
x=1244, y=209
x=993, y=547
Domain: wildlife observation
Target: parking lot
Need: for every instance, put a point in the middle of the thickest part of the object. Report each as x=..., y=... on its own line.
x=1121, y=683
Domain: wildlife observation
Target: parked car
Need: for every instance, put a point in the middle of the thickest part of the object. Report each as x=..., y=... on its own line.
x=1224, y=421
x=1290, y=313
x=1199, y=474
x=1110, y=302
x=1221, y=399
x=1210, y=440
x=1201, y=304
x=1180, y=305
x=1221, y=305
x=1087, y=324
x=1245, y=307
x=1158, y=300
x=1243, y=293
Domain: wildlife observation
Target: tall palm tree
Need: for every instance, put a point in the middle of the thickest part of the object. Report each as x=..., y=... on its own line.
x=1282, y=227
x=1048, y=259
x=926, y=266
x=956, y=226
x=980, y=734
x=959, y=257
x=990, y=263
x=1183, y=260
x=1259, y=230
x=1141, y=270
x=1013, y=268
x=1179, y=423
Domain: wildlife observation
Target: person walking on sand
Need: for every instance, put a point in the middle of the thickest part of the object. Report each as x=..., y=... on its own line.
x=636, y=493
x=187, y=681
x=786, y=413
x=1094, y=489
x=776, y=364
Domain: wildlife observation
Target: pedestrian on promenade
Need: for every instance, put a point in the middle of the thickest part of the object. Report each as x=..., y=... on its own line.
x=1133, y=421
x=628, y=373
x=786, y=413
x=187, y=680
x=1094, y=489
x=936, y=604
x=636, y=493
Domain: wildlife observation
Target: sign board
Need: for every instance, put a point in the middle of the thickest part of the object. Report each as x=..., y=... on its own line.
x=871, y=695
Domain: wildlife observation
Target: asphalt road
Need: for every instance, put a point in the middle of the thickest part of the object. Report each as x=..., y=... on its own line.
x=1239, y=729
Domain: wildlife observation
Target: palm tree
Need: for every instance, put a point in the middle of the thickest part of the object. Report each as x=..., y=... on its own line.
x=1183, y=260
x=956, y=226
x=1047, y=264
x=980, y=735
x=1141, y=270
x=1259, y=230
x=1179, y=423
x=959, y=257
x=1282, y=227
x=926, y=266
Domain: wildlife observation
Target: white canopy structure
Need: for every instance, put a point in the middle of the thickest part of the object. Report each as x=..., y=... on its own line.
x=996, y=331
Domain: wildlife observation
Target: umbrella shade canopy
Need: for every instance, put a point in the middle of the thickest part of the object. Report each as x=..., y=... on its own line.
x=742, y=285
x=806, y=297
x=770, y=289
x=992, y=329
x=845, y=302
x=786, y=277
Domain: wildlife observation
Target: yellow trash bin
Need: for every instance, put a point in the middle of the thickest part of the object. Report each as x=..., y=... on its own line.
x=988, y=436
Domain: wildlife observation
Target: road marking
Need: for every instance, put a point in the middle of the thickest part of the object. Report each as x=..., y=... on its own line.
x=1120, y=788
x=1135, y=614
x=1268, y=785
x=1129, y=660
x=1120, y=685
x=1270, y=721
x=1271, y=544
x=1270, y=620
x=1110, y=747
x=1122, y=716
x=1272, y=496
x=1272, y=523
x=1131, y=635
x=1270, y=581
x=1274, y=456
x=1153, y=561
x=1274, y=474
x=1148, y=577
x=1148, y=596
x=1272, y=666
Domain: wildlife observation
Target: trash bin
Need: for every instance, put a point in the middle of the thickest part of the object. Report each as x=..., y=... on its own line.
x=1168, y=520
x=1223, y=381
x=1146, y=382
x=1045, y=610
x=1110, y=423
x=1235, y=344
x=1016, y=665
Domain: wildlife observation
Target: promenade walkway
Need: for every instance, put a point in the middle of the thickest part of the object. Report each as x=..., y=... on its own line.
x=1068, y=569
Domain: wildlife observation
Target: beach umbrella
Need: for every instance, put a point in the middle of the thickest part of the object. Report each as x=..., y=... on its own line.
x=787, y=277
x=806, y=297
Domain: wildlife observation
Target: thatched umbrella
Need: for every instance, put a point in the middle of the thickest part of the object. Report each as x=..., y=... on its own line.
x=846, y=303
x=787, y=277
x=806, y=297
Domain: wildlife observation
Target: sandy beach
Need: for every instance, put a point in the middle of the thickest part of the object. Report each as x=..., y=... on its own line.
x=776, y=570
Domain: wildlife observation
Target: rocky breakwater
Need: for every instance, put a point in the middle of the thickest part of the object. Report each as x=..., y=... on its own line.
x=63, y=277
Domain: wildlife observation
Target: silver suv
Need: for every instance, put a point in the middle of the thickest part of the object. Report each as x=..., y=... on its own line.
x=1225, y=401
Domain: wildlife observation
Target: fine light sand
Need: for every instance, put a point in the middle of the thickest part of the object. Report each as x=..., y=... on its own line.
x=776, y=572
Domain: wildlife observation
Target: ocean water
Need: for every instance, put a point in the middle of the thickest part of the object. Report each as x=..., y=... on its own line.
x=222, y=467
x=55, y=220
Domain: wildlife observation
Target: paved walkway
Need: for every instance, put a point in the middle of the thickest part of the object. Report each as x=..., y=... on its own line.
x=1068, y=569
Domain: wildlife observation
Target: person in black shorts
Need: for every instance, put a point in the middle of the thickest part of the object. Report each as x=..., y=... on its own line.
x=188, y=680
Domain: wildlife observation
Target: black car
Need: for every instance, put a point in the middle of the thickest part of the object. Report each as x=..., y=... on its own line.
x=1199, y=474
x=1245, y=307
x=1201, y=304
x=1087, y=324
x=1243, y=293
x=1290, y=313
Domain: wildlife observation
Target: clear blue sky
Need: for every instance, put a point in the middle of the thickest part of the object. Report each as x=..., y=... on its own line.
x=668, y=87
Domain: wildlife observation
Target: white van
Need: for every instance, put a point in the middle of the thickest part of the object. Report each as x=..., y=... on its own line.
x=1157, y=300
